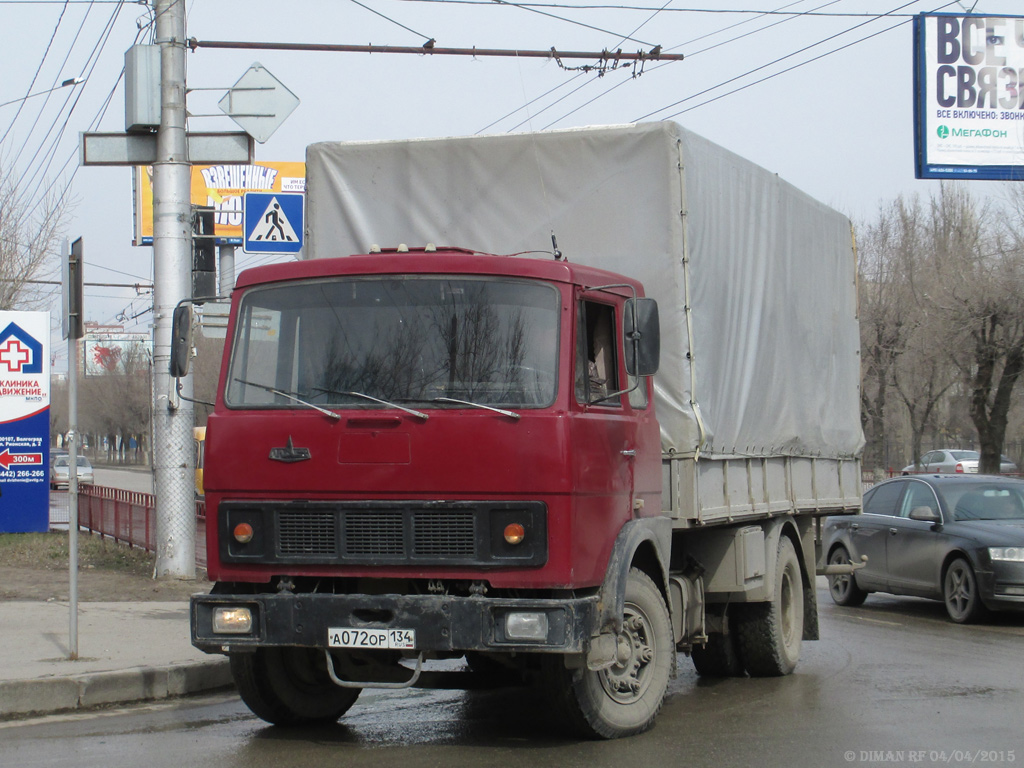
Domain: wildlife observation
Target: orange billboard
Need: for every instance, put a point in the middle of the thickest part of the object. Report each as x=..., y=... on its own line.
x=222, y=187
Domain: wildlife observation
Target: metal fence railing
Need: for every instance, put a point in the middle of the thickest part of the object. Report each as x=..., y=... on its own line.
x=124, y=516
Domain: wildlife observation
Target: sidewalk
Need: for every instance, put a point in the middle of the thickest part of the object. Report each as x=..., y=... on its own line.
x=127, y=652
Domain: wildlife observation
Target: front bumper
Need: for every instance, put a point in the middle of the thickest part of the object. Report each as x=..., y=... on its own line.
x=442, y=623
x=1002, y=588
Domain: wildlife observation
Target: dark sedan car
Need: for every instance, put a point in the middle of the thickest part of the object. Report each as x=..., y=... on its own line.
x=959, y=539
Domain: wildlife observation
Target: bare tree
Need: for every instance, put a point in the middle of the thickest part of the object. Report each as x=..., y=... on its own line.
x=942, y=323
x=29, y=233
x=58, y=409
x=116, y=404
x=922, y=379
x=976, y=282
x=888, y=250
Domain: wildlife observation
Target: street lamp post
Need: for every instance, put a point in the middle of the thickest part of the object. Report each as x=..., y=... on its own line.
x=65, y=84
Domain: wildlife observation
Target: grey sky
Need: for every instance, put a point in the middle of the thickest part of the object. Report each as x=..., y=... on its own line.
x=840, y=127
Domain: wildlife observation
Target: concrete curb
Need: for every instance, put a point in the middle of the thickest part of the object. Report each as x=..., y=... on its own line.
x=49, y=695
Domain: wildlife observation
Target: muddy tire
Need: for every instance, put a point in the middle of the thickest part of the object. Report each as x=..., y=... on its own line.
x=844, y=589
x=960, y=593
x=624, y=699
x=290, y=686
x=769, y=634
x=720, y=657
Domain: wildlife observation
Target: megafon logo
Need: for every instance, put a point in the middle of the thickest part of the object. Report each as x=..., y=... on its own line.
x=943, y=131
x=19, y=352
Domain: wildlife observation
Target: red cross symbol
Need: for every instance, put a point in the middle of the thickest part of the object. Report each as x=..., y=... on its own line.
x=14, y=355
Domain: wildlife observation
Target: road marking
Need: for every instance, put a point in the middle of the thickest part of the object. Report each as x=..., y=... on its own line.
x=879, y=621
x=1015, y=631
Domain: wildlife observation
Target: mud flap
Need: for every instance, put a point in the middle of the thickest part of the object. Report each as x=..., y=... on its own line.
x=811, y=627
x=657, y=531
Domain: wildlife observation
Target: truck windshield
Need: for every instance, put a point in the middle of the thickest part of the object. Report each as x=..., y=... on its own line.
x=342, y=342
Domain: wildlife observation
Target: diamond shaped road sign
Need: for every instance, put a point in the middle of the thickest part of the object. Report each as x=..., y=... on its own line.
x=258, y=102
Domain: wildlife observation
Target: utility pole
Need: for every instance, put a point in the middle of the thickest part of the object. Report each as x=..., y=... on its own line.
x=172, y=270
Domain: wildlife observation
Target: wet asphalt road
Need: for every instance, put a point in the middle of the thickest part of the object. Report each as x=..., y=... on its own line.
x=890, y=683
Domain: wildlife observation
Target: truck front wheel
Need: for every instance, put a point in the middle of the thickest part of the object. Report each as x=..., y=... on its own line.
x=290, y=686
x=623, y=699
x=769, y=633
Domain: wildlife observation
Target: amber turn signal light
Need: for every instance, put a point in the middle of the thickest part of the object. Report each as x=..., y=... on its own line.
x=514, y=533
x=243, y=533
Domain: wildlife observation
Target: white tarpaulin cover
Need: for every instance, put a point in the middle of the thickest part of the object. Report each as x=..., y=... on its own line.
x=770, y=274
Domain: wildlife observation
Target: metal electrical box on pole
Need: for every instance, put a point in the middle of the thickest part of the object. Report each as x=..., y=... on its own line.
x=142, y=88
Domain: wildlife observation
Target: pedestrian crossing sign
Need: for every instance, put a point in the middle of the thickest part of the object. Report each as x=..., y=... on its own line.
x=272, y=222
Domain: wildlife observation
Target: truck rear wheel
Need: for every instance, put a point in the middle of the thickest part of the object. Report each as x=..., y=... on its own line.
x=290, y=686
x=623, y=699
x=769, y=634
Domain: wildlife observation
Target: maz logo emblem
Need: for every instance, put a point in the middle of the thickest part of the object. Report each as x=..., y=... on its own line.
x=289, y=454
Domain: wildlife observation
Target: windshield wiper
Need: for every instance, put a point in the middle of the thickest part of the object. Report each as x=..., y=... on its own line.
x=502, y=411
x=388, y=403
x=291, y=396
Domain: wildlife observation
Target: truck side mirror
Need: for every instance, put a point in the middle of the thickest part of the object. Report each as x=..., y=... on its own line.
x=181, y=340
x=642, y=334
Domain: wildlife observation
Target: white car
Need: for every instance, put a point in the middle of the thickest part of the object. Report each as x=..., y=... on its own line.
x=60, y=469
x=955, y=461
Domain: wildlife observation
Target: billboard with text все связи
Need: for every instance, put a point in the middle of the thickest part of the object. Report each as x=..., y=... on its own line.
x=969, y=96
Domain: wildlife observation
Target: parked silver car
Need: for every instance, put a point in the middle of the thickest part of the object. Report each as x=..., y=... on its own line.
x=60, y=468
x=955, y=461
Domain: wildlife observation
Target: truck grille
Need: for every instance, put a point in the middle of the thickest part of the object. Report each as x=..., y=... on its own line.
x=468, y=533
x=307, y=533
x=449, y=535
x=373, y=533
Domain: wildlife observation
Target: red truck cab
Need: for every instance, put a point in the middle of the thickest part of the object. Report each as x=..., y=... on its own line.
x=433, y=454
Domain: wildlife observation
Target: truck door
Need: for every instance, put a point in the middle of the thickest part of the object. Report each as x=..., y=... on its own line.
x=609, y=435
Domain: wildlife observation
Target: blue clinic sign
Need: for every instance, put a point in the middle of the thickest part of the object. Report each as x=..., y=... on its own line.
x=272, y=222
x=24, y=422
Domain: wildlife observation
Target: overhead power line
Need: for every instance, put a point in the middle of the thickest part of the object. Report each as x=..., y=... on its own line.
x=429, y=39
x=41, y=193
x=134, y=286
x=609, y=90
x=525, y=7
x=35, y=76
x=622, y=7
x=776, y=61
x=655, y=54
